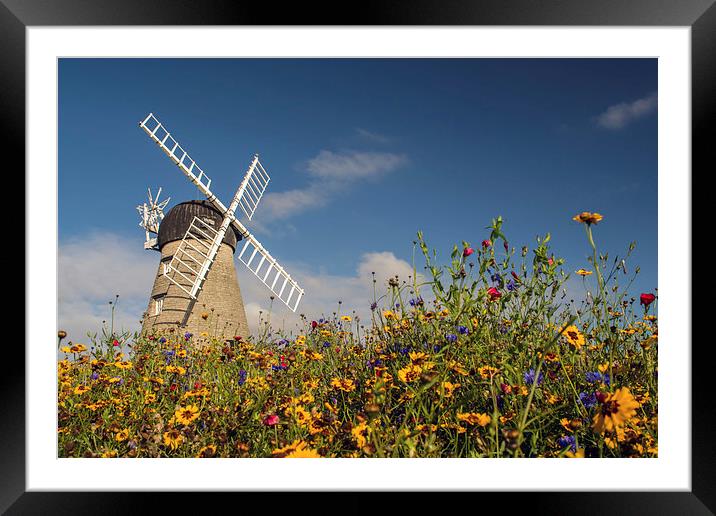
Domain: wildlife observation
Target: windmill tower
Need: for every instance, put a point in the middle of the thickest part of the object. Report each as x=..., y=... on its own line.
x=196, y=289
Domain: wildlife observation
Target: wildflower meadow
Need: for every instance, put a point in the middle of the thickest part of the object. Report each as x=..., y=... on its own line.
x=484, y=356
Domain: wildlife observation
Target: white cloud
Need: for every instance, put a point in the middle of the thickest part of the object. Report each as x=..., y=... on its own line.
x=371, y=136
x=324, y=291
x=348, y=166
x=91, y=271
x=620, y=115
x=330, y=173
x=95, y=268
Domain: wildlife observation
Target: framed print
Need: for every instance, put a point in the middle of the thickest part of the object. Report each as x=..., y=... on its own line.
x=472, y=357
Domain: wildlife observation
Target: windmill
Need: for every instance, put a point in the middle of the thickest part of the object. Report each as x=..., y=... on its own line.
x=197, y=240
x=151, y=215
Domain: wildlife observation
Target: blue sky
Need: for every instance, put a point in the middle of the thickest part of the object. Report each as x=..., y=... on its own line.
x=363, y=153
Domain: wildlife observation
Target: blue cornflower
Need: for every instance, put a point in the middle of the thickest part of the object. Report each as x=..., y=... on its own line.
x=511, y=285
x=242, y=376
x=417, y=301
x=282, y=342
x=463, y=330
x=94, y=375
x=187, y=336
x=326, y=344
x=567, y=440
x=529, y=377
x=373, y=306
x=588, y=399
x=597, y=377
x=496, y=278
x=397, y=305
x=404, y=351
x=162, y=340
x=451, y=337
x=436, y=348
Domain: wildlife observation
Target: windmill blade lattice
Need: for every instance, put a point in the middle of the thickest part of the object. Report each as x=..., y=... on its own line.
x=193, y=265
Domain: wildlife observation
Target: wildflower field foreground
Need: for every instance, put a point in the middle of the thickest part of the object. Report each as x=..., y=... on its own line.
x=484, y=357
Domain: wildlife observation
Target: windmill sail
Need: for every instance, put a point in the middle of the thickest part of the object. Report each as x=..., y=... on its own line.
x=267, y=269
x=247, y=196
x=256, y=181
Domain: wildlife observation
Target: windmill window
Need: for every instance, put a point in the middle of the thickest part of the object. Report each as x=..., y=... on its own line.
x=158, y=305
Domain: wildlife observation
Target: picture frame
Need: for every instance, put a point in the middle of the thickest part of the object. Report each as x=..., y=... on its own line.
x=700, y=15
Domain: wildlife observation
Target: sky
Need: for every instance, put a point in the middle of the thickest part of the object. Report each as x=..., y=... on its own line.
x=362, y=153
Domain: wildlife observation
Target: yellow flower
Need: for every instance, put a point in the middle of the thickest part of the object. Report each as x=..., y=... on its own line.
x=588, y=218
x=303, y=453
x=579, y=454
x=173, y=439
x=346, y=385
x=474, y=418
x=206, y=452
x=449, y=388
x=616, y=409
x=360, y=434
x=296, y=450
x=175, y=369
x=346, y=318
x=410, y=373
x=583, y=272
x=388, y=314
x=122, y=435
x=123, y=365
x=488, y=371
x=81, y=389
x=187, y=415
x=78, y=348
x=603, y=368
x=573, y=336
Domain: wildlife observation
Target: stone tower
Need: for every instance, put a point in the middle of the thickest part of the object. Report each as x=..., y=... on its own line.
x=219, y=308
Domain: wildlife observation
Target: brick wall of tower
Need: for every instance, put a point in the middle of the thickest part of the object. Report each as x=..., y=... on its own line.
x=220, y=298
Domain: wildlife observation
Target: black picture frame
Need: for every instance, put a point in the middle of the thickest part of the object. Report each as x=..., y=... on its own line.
x=700, y=15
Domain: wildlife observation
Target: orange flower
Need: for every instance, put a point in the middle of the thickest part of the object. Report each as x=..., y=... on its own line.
x=587, y=218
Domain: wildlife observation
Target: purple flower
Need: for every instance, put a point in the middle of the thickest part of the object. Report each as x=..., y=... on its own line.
x=529, y=377
x=242, y=376
x=451, y=337
x=326, y=344
x=187, y=336
x=162, y=340
x=463, y=330
x=94, y=375
x=373, y=306
x=567, y=441
x=588, y=399
x=511, y=285
x=597, y=377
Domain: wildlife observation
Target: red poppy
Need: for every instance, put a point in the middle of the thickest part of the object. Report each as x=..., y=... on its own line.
x=314, y=324
x=486, y=243
x=550, y=261
x=494, y=293
x=173, y=387
x=467, y=252
x=271, y=420
x=115, y=342
x=647, y=299
x=237, y=337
